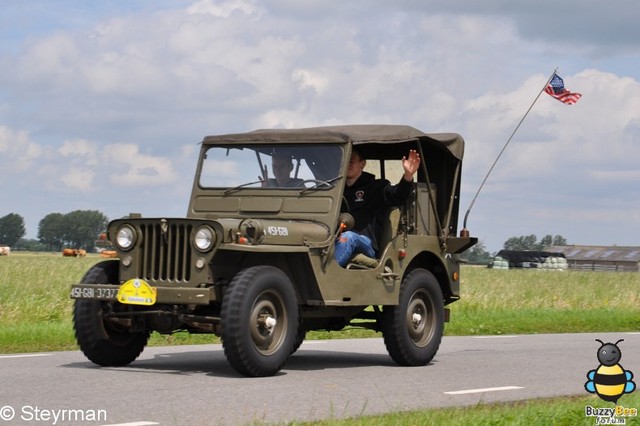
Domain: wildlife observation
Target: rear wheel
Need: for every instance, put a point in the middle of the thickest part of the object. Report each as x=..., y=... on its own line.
x=413, y=330
x=103, y=342
x=259, y=321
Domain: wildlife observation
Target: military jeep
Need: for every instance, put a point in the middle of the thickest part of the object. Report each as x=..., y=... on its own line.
x=253, y=261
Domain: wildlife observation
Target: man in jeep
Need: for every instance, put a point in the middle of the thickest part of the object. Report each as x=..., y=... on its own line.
x=366, y=196
x=282, y=167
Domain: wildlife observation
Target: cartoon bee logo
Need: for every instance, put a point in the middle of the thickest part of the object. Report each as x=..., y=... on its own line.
x=610, y=381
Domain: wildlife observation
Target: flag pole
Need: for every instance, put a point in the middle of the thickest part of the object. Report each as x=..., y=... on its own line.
x=466, y=215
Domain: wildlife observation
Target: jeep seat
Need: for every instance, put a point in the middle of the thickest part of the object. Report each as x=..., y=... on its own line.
x=389, y=229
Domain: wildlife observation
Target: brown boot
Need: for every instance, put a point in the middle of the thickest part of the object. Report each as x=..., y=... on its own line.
x=362, y=260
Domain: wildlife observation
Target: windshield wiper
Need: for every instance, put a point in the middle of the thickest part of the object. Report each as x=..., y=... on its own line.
x=320, y=183
x=235, y=188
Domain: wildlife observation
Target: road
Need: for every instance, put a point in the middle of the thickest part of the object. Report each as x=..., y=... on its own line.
x=194, y=385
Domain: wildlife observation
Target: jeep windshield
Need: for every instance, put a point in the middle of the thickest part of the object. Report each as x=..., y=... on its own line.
x=289, y=167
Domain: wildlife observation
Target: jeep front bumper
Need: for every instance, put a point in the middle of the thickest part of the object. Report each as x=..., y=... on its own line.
x=163, y=295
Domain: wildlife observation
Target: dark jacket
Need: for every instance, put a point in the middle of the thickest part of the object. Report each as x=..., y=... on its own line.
x=368, y=198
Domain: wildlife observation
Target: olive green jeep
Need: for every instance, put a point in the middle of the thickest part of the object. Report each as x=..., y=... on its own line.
x=253, y=261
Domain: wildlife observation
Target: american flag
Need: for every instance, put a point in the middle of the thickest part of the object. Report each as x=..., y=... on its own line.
x=556, y=89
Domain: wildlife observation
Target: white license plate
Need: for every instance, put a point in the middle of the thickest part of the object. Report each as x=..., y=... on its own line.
x=90, y=292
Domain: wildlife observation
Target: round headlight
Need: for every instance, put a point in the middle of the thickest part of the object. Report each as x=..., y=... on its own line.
x=126, y=237
x=204, y=238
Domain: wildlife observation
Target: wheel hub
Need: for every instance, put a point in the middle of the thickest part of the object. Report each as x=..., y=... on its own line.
x=267, y=321
x=418, y=319
x=267, y=330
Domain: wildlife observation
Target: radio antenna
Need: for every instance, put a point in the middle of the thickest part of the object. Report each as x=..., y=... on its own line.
x=466, y=215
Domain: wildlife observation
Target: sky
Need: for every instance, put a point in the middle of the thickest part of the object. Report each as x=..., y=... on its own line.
x=103, y=104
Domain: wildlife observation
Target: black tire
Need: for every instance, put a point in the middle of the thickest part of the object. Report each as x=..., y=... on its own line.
x=256, y=295
x=301, y=334
x=413, y=330
x=102, y=342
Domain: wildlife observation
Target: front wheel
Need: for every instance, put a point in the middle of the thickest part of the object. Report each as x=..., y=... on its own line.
x=259, y=321
x=413, y=330
x=103, y=342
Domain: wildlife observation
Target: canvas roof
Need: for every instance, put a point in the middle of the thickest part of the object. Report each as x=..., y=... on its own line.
x=357, y=134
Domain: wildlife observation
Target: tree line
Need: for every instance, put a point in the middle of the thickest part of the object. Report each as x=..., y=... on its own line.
x=78, y=229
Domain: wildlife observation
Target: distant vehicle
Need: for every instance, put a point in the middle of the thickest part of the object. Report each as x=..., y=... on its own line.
x=254, y=264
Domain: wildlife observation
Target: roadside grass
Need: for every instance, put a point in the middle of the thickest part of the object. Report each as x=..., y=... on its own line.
x=35, y=309
x=545, y=301
x=567, y=411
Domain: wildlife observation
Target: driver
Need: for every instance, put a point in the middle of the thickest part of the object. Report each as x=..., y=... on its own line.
x=365, y=196
x=282, y=167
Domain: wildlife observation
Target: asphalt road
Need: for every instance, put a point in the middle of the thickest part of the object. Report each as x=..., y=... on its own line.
x=194, y=385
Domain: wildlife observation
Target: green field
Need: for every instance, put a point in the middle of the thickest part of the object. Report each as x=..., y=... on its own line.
x=35, y=315
x=35, y=309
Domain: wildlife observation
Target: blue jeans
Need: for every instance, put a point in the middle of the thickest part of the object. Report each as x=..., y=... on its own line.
x=350, y=243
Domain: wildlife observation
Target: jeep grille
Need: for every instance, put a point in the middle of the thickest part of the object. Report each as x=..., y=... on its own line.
x=166, y=256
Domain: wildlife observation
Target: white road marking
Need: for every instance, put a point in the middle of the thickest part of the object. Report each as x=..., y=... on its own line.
x=23, y=356
x=134, y=424
x=483, y=390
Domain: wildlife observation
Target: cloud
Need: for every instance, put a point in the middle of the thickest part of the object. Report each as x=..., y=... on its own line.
x=584, y=24
x=80, y=148
x=223, y=8
x=310, y=80
x=78, y=179
x=599, y=129
x=17, y=151
x=131, y=168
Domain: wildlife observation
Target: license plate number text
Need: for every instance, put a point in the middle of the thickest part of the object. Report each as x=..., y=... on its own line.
x=93, y=293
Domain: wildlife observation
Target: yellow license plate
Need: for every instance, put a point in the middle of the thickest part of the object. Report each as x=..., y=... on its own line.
x=137, y=292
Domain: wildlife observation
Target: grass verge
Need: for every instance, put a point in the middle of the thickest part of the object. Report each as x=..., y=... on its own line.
x=568, y=411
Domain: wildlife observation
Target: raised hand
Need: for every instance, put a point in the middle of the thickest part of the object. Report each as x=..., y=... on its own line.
x=411, y=164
